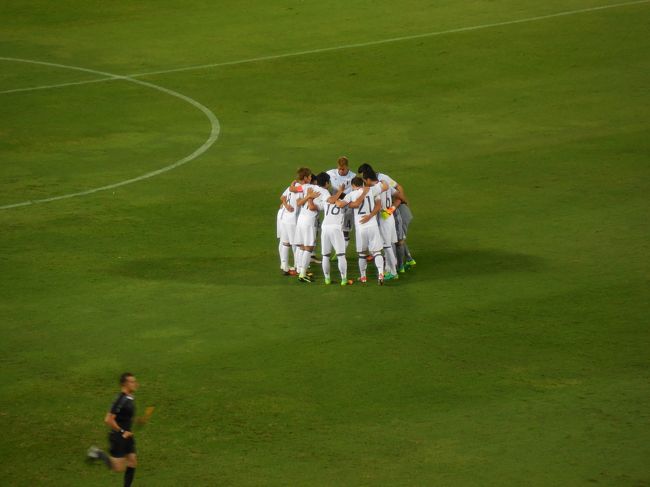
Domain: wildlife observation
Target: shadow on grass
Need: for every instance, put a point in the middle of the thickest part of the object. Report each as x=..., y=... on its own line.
x=451, y=263
x=436, y=263
x=197, y=270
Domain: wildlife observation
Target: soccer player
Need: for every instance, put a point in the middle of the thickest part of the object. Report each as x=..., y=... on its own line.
x=305, y=236
x=119, y=419
x=366, y=204
x=288, y=220
x=331, y=229
x=342, y=176
x=386, y=224
x=403, y=218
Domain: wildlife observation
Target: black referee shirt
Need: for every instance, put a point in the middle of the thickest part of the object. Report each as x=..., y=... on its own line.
x=124, y=410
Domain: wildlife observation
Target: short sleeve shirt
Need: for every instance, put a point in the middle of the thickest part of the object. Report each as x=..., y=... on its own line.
x=124, y=410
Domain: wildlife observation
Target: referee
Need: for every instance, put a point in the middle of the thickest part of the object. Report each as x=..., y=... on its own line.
x=119, y=418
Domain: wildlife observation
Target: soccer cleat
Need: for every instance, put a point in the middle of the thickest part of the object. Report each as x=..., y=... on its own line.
x=344, y=282
x=93, y=453
x=305, y=279
x=410, y=263
x=315, y=260
x=401, y=269
x=380, y=280
x=388, y=276
x=363, y=280
x=328, y=280
x=290, y=272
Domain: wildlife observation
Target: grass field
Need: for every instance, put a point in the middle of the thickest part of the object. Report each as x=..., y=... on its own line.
x=515, y=353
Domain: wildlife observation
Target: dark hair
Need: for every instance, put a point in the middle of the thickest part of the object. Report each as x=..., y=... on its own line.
x=357, y=181
x=364, y=168
x=322, y=179
x=124, y=377
x=369, y=174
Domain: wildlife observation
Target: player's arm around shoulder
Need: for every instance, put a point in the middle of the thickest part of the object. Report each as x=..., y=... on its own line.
x=335, y=197
x=357, y=202
x=285, y=204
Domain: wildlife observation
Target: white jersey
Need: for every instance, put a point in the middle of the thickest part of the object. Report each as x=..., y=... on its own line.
x=387, y=198
x=385, y=177
x=332, y=214
x=337, y=180
x=367, y=205
x=307, y=216
x=286, y=215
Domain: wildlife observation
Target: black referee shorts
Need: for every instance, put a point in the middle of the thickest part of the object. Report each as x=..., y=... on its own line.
x=120, y=447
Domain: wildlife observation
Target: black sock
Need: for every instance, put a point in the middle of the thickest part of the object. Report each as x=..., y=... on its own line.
x=104, y=458
x=128, y=476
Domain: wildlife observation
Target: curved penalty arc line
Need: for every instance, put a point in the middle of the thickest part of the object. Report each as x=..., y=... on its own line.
x=215, y=129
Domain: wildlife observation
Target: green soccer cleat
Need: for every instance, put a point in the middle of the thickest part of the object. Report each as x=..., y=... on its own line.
x=388, y=276
x=401, y=270
x=410, y=263
x=344, y=282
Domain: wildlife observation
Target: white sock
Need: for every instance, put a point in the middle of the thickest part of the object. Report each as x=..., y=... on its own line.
x=284, y=257
x=343, y=266
x=326, y=266
x=391, y=260
x=379, y=262
x=363, y=265
x=306, y=256
x=297, y=259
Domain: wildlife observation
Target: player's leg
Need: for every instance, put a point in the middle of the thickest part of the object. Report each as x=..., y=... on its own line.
x=308, y=235
x=387, y=230
x=391, y=261
x=399, y=249
x=117, y=451
x=299, y=241
x=129, y=473
x=375, y=245
x=406, y=216
x=306, y=258
x=326, y=251
x=95, y=453
x=338, y=241
x=284, y=249
x=362, y=244
x=289, y=235
x=348, y=224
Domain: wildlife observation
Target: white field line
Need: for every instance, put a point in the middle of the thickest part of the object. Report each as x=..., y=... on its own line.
x=214, y=133
x=214, y=122
x=335, y=48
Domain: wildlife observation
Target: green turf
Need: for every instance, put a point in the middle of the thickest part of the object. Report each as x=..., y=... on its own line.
x=515, y=353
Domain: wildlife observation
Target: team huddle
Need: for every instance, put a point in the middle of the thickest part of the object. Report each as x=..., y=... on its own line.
x=371, y=203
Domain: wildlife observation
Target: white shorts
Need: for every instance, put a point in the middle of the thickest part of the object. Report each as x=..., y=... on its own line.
x=332, y=236
x=388, y=231
x=306, y=235
x=368, y=238
x=288, y=232
x=348, y=220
